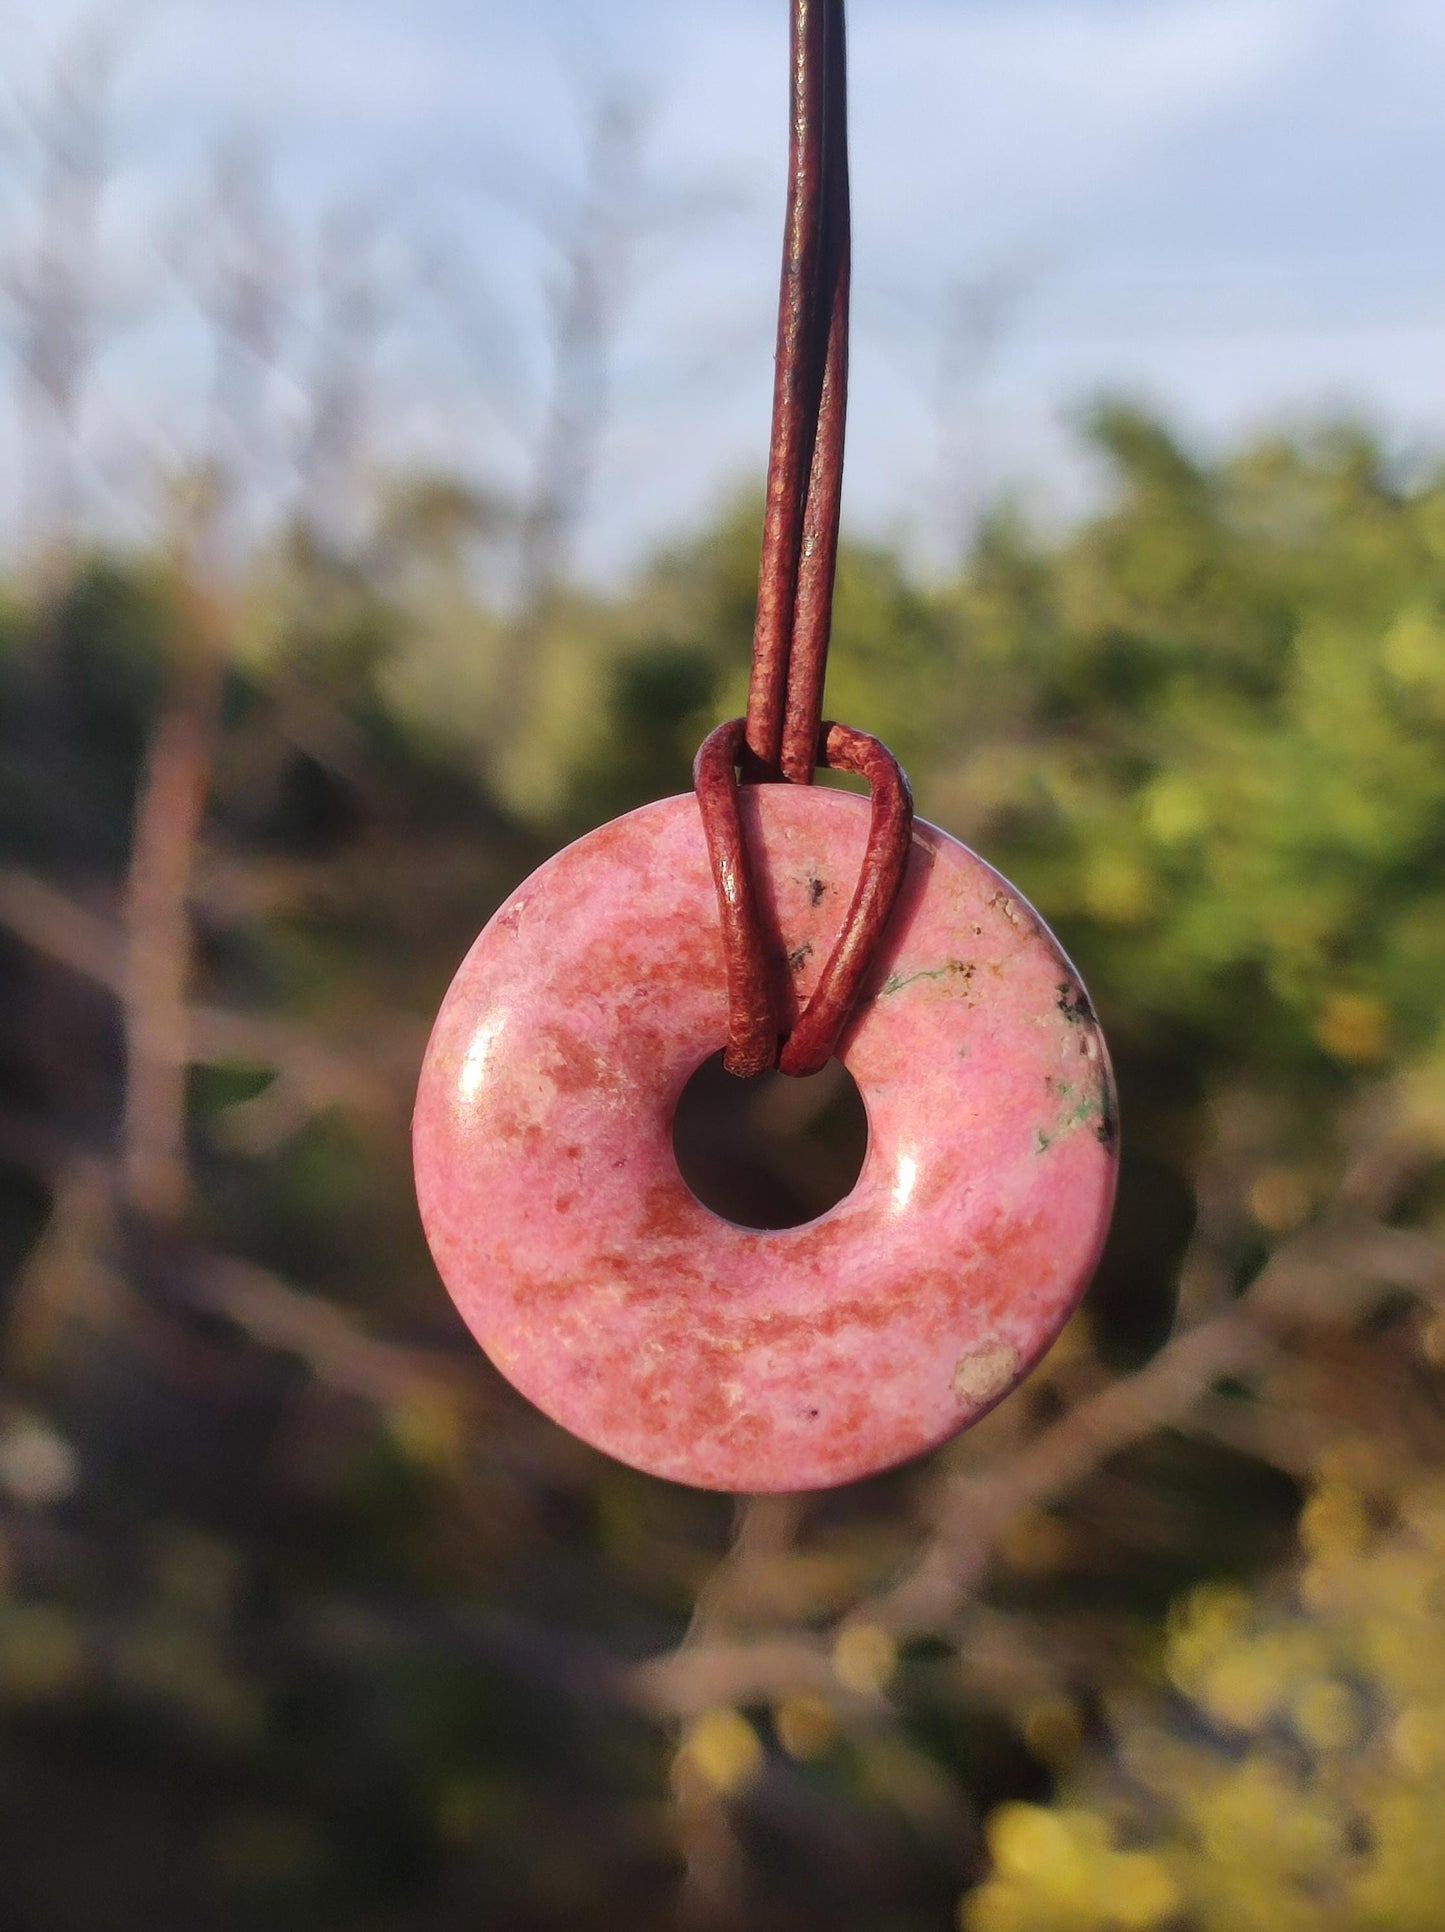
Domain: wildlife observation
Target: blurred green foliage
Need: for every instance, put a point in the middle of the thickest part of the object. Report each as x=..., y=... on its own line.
x=308, y=1621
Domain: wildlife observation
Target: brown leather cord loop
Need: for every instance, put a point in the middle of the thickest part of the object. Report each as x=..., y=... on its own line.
x=752, y=1043
x=753, y=1030
x=890, y=833
x=782, y=735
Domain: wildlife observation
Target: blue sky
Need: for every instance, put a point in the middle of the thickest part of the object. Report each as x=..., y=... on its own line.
x=1228, y=208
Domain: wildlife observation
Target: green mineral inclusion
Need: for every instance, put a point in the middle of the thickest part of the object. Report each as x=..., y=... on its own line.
x=896, y=982
x=1079, y=1109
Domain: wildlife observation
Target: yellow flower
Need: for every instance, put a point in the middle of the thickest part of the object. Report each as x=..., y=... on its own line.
x=864, y=1657
x=806, y=1726
x=1140, y=1892
x=1354, y=1027
x=1280, y=1199
x=1417, y=1741
x=1327, y=1714
x=1334, y=1523
x=724, y=1748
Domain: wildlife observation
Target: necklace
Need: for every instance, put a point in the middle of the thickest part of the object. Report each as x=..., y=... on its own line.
x=791, y=922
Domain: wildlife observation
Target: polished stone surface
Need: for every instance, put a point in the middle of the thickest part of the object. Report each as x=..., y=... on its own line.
x=729, y=1357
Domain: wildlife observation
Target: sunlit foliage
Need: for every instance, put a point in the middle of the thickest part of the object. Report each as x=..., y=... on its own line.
x=315, y=1624
x=1290, y=1769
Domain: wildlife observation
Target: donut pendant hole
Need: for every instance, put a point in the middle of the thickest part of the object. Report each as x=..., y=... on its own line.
x=772, y=1152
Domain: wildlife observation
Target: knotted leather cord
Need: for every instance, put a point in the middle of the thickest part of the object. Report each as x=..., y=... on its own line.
x=783, y=735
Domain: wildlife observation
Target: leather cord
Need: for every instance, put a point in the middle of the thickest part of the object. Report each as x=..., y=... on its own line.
x=783, y=736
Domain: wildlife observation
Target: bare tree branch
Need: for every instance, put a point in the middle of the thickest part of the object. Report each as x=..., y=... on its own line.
x=170, y=805
x=84, y=943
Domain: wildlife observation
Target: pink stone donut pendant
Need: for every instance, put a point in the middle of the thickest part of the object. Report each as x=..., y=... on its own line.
x=728, y=1357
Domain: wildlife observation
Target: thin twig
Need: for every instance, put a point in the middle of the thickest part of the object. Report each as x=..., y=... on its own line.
x=61, y=929
x=158, y=962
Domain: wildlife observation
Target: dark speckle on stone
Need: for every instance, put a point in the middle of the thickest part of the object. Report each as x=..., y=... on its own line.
x=1074, y=1002
x=1106, y=1127
x=816, y=889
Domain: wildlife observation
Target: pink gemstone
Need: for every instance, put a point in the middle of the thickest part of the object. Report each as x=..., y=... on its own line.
x=728, y=1357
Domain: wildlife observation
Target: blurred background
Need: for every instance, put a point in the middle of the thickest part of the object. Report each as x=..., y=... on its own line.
x=381, y=508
